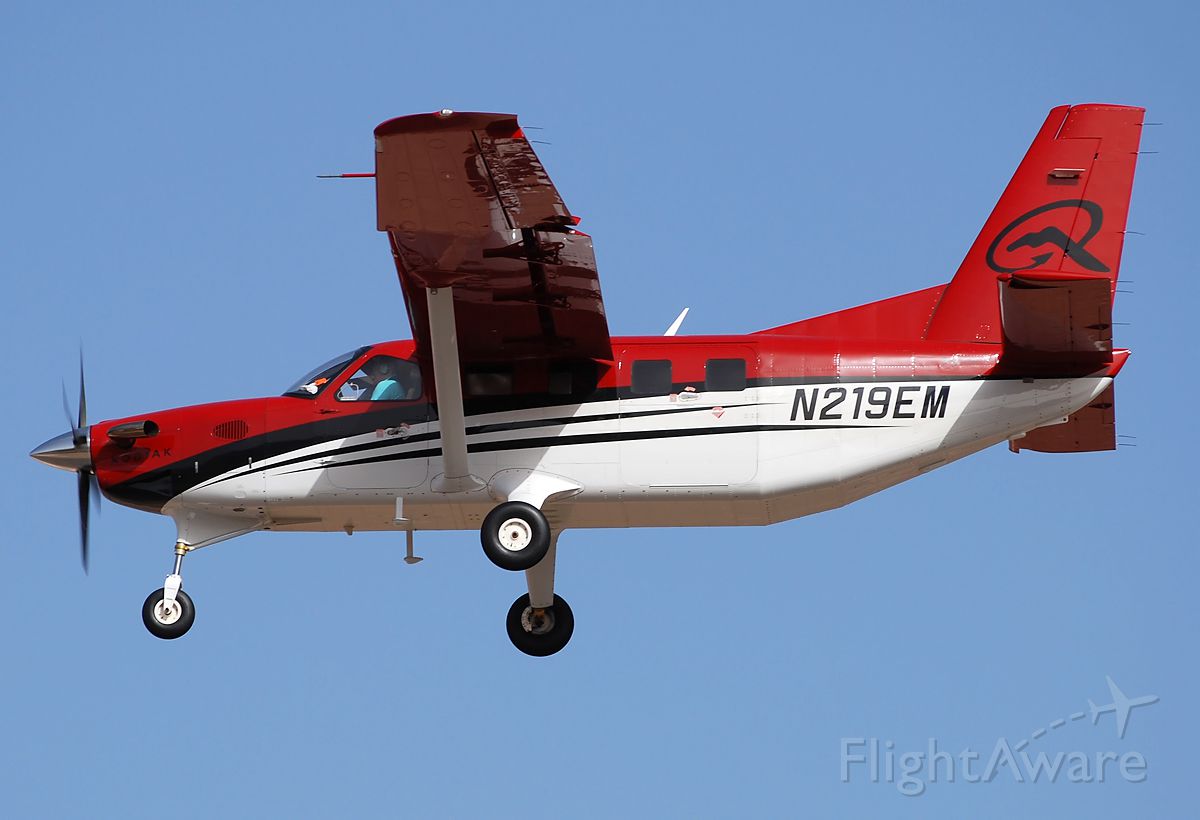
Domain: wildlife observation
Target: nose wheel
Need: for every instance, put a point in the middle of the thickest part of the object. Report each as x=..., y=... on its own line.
x=540, y=631
x=168, y=619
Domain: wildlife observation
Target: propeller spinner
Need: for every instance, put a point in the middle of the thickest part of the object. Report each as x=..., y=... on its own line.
x=72, y=451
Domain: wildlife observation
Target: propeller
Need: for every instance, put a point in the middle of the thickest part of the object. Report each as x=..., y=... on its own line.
x=88, y=488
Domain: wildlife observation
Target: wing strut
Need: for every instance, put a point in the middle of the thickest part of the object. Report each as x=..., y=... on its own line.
x=456, y=477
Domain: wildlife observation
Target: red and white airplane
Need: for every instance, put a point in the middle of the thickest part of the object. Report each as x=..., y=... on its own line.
x=514, y=412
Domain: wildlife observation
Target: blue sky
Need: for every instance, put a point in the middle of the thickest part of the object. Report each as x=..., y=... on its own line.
x=758, y=162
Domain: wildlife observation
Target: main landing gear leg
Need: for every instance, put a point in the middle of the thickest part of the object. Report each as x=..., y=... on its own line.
x=540, y=623
x=169, y=612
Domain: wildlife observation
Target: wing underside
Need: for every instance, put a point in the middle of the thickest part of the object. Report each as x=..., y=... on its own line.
x=467, y=205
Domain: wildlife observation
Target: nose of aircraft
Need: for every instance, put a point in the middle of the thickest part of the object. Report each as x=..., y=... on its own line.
x=64, y=452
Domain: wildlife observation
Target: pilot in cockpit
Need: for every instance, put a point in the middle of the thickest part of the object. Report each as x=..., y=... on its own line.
x=389, y=379
x=381, y=382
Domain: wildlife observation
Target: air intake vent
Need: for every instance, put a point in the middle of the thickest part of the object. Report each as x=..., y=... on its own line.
x=231, y=430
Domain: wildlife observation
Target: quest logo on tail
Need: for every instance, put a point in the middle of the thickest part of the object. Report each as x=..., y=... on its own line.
x=1014, y=255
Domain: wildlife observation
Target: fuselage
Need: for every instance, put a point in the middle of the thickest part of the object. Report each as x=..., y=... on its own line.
x=715, y=430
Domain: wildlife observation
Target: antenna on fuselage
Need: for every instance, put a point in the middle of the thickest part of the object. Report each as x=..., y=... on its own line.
x=409, y=558
x=674, y=328
x=400, y=519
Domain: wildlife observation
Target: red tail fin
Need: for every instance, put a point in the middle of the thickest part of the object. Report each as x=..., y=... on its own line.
x=1064, y=211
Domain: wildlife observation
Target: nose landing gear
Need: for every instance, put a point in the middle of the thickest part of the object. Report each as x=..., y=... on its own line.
x=169, y=612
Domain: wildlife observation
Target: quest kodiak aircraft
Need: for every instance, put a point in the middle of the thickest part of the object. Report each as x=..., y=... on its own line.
x=514, y=412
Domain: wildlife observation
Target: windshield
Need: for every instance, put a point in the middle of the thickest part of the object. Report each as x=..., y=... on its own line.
x=316, y=380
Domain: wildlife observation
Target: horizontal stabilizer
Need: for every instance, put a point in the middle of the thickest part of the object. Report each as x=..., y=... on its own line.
x=1055, y=321
x=1089, y=430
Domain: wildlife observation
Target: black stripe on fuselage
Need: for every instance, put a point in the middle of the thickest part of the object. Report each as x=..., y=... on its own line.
x=585, y=438
x=151, y=490
x=481, y=429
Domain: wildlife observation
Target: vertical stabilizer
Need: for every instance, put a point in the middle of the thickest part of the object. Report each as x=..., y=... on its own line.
x=1063, y=212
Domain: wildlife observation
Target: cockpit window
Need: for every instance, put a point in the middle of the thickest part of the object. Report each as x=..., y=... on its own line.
x=316, y=380
x=383, y=378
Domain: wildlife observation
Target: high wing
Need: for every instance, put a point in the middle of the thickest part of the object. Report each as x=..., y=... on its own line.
x=490, y=263
x=467, y=204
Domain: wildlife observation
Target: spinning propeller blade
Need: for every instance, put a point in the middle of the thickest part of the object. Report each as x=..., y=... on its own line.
x=80, y=430
x=67, y=410
x=85, y=479
x=71, y=451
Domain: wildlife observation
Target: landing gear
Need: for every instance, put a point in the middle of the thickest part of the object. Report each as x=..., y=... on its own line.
x=540, y=631
x=168, y=619
x=515, y=535
x=540, y=623
x=169, y=612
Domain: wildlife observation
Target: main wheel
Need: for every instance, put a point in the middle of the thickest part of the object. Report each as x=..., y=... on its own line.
x=515, y=535
x=540, y=632
x=168, y=622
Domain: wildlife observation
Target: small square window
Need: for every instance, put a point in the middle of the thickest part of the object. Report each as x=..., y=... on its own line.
x=652, y=377
x=560, y=382
x=725, y=374
x=489, y=382
x=572, y=379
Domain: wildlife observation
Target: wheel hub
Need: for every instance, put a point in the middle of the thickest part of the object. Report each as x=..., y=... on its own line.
x=537, y=621
x=167, y=613
x=515, y=535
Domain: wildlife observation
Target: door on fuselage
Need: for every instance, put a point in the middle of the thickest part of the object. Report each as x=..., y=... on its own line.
x=344, y=425
x=688, y=415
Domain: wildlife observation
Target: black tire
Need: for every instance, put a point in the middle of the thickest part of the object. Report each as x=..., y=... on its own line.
x=546, y=643
x=498, y=547
x=168, y=632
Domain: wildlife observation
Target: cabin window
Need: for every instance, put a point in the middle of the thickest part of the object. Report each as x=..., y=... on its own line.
x=489, y=381
x=652, y=377
x=383, y=378
x=725, y=374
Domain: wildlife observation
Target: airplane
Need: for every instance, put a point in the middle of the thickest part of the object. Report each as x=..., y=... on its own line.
x=514, y=412
x=1122, y=705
